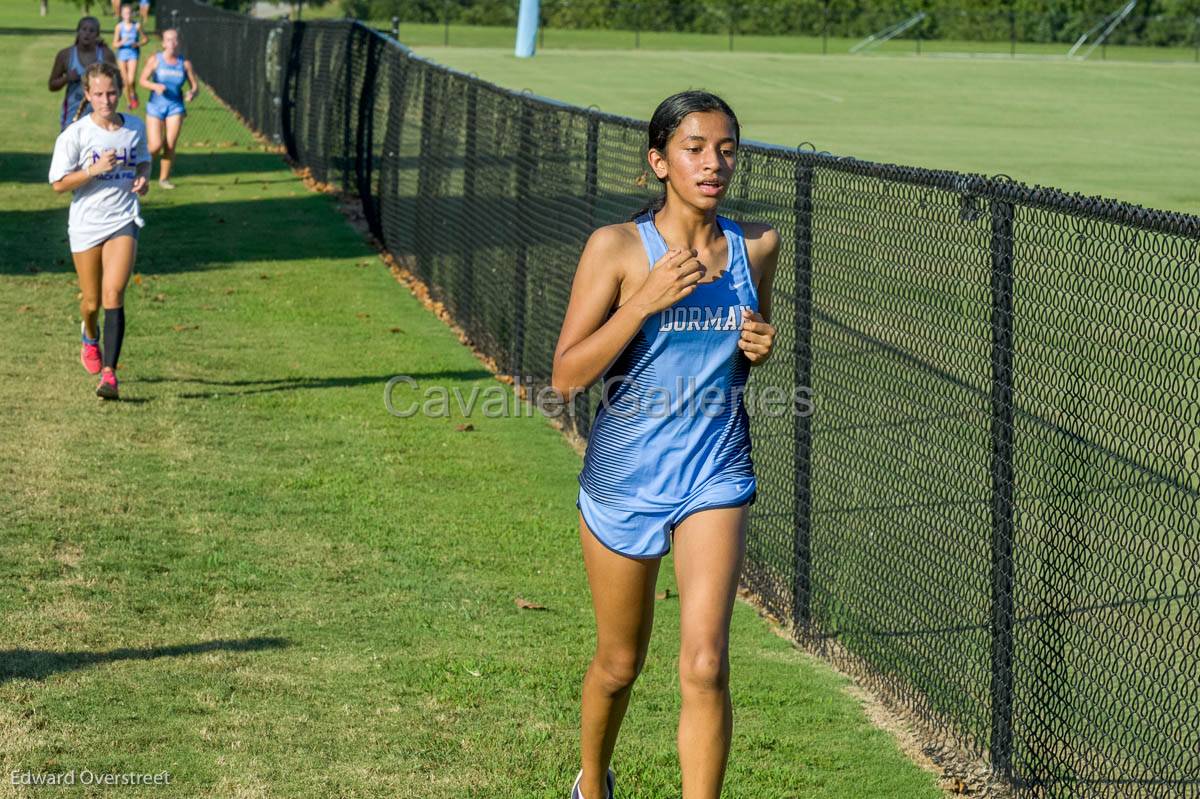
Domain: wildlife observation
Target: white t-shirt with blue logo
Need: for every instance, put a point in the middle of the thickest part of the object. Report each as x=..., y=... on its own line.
x=106, y=203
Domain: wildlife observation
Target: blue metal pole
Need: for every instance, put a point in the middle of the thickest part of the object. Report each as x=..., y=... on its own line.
x=527, y=28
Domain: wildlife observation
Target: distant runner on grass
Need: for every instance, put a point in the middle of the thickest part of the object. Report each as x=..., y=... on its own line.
x=164, y=75
x=69, y=64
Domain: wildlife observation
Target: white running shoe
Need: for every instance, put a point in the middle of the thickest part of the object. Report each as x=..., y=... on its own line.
x=610, y=784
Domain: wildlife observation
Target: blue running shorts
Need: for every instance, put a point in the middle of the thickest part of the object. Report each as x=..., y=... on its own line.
x=644, y=534
x=160, y=107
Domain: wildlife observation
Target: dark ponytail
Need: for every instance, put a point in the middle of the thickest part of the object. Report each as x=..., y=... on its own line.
x=666, y=120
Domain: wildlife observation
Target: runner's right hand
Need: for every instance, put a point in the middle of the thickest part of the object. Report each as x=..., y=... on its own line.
x=673, y=277
x=106, y=164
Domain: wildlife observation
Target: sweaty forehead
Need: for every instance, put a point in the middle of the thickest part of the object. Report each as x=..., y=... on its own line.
x=707, y=125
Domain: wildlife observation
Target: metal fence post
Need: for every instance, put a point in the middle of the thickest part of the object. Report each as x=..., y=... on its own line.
x=525, y=161
x=467, y=217
x=446, y=18
x=287, y=122
x=423, y=230
x=364, y=155
x=802, y=227
x=396, y=28
x=1003, y=505
x=1012, y=34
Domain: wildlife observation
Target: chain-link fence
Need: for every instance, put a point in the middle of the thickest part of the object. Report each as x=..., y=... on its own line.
x=993, y=513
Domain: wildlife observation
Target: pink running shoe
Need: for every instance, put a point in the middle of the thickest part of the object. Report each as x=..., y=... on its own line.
x=108, y=385
x=89, y=354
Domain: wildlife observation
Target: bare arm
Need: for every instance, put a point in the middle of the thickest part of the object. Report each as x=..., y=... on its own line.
x=117, y=40
x=195, y=84
x=59, y=76
x=73, y=180
x=148, y=70
x=588, y=343
x=758, y=334
x=143, y=39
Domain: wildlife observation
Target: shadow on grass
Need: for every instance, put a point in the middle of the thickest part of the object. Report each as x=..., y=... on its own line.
x=193, y=237
x=34, y=168
x=270, y=385
x=38, y=664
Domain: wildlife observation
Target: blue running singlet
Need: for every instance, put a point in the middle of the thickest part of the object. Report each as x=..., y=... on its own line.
x=672, y=436
x=128, y=52
x=172, y=77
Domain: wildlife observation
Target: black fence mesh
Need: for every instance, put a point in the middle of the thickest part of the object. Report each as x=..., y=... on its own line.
x=993, y=513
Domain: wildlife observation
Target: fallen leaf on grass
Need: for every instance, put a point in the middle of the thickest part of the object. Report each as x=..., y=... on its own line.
x=663, y=594
x=465, y=428
x=24, y=308
x=264, y=276
x=137, y=279
x=181, y=328
x=472, y=672
x=396, y=330
x=363, y=315
x=230, y=291
x=160, y=298
x=208, y=307
x=525, y=604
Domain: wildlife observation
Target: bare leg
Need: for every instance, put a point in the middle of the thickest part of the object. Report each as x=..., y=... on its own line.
x=709, y=548
x=174, y=124
x=154, y=135
x=118, y=254
x=129, y=76
x=623, y=601
x=87, y=267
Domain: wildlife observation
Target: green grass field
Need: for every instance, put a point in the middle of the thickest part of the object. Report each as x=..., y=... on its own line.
x=1115, y=130
x=249, y=575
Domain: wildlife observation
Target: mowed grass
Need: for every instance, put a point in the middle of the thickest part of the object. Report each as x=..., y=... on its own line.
x=250, y=575
x=1124, y=131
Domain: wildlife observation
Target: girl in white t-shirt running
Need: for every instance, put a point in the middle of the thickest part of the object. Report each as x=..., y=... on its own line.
x=103, y=159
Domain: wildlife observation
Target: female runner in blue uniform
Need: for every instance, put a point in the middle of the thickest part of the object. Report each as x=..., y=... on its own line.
x=69, y=64
x=672, y=309
x=128, y=40
x=164, y=75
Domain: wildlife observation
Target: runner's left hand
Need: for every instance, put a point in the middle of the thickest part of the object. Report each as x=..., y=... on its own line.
x=758, y=337
x=191, y=95
x=140, y=186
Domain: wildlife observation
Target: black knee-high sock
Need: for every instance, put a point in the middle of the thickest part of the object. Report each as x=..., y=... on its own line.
x=114, y=332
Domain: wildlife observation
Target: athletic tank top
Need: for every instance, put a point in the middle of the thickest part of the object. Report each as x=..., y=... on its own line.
x=172, y=76
x=673, y=417
x=129, y=33
x=74, y=93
